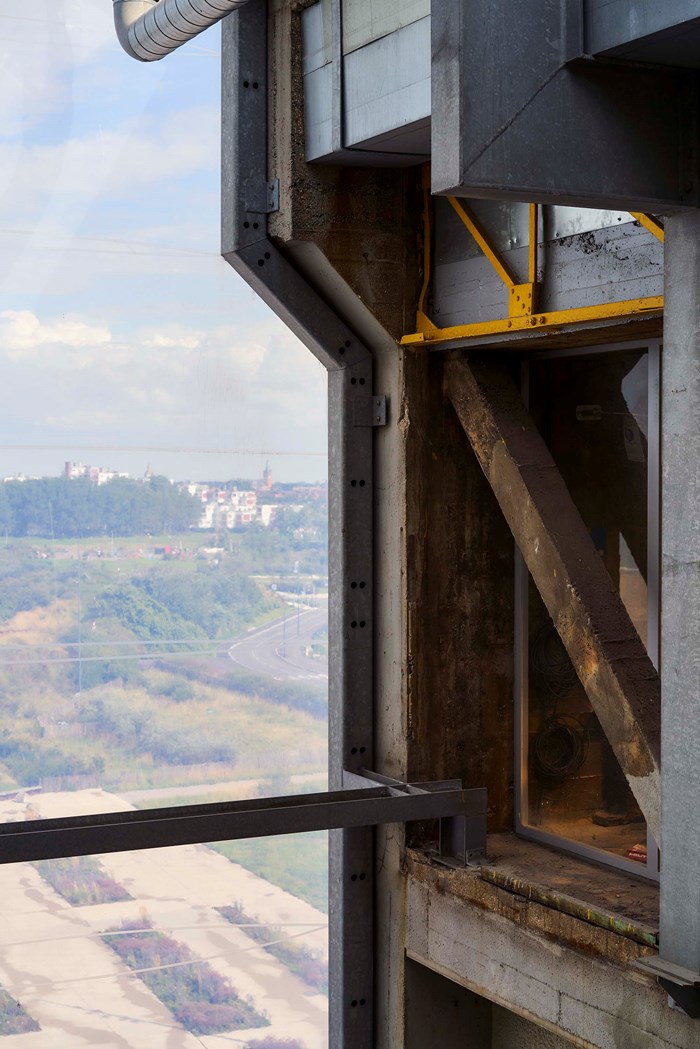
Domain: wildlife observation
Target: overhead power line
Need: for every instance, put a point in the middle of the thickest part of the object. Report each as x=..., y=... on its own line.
x=164, y=449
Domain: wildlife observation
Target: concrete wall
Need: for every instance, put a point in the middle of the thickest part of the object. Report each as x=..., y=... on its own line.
x=592, y=998
x=510, y=1031
x=460, y=601
x=353, y=231
x=442, y=1013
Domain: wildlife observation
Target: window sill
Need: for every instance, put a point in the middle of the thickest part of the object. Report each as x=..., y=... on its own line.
x=588, y=907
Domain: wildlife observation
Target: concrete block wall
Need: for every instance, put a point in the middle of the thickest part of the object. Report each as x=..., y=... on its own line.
x=585, y=999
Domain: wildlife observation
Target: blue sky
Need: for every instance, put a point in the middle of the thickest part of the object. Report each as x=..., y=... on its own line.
x=120, y=325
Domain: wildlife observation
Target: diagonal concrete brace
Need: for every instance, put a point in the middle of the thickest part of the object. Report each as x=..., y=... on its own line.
x=605, y=649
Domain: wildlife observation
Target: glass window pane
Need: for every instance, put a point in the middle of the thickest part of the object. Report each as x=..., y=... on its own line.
x=163, y=516
x=593, y=412
x=165, y=947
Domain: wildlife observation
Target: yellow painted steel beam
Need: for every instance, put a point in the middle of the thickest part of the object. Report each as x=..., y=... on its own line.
x=481, y=239
x=541, y=321
x=532, y=245
x=650, y=223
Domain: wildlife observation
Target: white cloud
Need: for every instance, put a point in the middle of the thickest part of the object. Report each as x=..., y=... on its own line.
x=187, y=341
x=41, y=43
x=128, y=163
x=246, y=385
x=119, y=324
x=24, y=336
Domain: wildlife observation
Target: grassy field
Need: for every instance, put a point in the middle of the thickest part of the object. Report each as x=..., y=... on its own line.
x=297, y=863
x=13, y=1018
x=200, y=999
x=148, y=730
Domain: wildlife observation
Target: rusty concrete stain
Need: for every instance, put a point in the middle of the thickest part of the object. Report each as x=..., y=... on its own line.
x=460, y=603
x=560, y=929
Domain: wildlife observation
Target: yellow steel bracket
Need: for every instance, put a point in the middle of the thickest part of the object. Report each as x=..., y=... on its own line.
x=480, y=237
x=650, y=223
x=522, y=298
x=555, y=319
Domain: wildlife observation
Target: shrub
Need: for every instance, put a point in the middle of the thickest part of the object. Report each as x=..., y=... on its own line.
x=30, y=761
x=13, y=1019
x=178, y=689
x=81, y=880
x=303, y=962
x=202, y=1000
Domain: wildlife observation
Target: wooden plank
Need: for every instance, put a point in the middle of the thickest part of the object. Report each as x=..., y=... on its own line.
x=605, y=649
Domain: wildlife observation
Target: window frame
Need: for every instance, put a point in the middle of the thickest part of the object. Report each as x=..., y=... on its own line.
x=650, y=870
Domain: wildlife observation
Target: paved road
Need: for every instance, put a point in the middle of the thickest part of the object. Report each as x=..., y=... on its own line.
x=278, y=649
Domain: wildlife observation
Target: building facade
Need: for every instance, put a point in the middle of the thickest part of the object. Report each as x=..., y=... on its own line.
x=482, y=218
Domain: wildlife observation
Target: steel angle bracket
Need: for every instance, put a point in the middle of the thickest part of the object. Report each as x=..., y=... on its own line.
x=369, y=410
x=462, y=841
x=681, y=984
x=264, y=199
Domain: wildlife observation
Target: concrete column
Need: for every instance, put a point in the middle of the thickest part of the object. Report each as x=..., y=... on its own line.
x=680, y=620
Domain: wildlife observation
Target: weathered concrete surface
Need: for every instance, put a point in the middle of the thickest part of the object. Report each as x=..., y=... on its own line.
x=390, y=687
x=630, y=904
x=680, y=597
x=551, y=969
x=605, y=649
x=508, y=1031
x=460, y=602
x=351, y=226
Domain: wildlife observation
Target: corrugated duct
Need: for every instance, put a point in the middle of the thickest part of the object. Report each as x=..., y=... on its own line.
x=151, y=29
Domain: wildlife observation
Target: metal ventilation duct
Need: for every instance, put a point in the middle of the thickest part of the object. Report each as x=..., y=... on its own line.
x=151, y=29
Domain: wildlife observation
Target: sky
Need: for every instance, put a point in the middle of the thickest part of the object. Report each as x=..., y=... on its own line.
x=125, y=340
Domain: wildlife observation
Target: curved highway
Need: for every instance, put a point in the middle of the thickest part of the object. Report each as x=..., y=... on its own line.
x=278, y=649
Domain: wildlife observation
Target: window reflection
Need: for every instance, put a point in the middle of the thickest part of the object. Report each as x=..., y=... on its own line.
x=593, y=413
x=163, y=550
x=159, y=948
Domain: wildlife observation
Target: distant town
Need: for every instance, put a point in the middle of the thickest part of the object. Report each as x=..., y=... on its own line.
x=229, y=505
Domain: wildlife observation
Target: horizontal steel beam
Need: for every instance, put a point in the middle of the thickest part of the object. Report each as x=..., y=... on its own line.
x=227, y=821
x=460, y=334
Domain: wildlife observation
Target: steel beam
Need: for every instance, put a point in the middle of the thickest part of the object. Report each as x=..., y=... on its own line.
x=430, y=335
x=265, y=266
x=605, y=649
x=368, y=804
